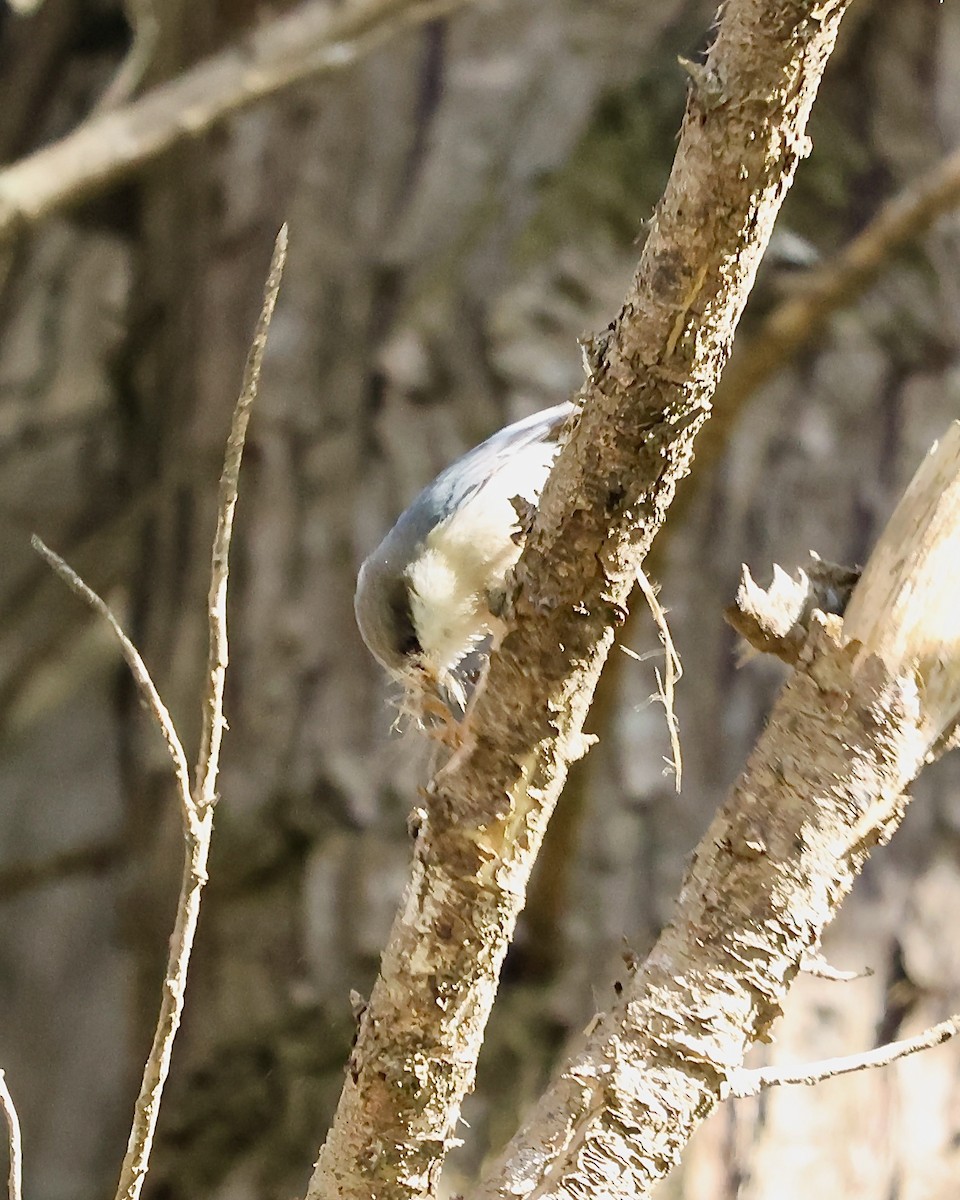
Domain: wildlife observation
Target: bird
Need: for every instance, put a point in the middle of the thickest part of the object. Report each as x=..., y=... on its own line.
x=428, y=598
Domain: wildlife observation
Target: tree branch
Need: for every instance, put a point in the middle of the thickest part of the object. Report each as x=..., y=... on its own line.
x=213, y=719
x=148, y=692
x=838, y=283
x=743, y=1083
x=653, y=373
x=14, y=1142
x=820, y=293
x=144, y=20
x=199, y=830
x=313, y=38
x=196, y=804
x=824, y=785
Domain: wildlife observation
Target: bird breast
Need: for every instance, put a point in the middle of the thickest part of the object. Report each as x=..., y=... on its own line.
x=465, y=560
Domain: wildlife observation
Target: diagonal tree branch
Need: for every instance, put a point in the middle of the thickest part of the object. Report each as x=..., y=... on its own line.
x=821, y=293
x=825, y=784
x=652, y=375
x=315, y=37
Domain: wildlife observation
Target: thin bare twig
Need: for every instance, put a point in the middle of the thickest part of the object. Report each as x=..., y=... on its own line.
x=213, y=721
x=136, y=1161
x=672, y=674
x=14, y=1142
x=138, y=669
x=745, y=1083
x=197, y=830
x=145, y=24
x=137, y=1158
x=311, y=39
x=197, y=803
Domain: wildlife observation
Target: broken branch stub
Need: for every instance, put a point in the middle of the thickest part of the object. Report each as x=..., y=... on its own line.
x=776, y=620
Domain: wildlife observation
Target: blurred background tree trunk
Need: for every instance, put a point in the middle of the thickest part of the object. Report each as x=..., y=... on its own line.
x=464, y=204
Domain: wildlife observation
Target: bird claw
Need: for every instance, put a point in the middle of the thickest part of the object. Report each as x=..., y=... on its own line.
x=423, y=702
x=438, y=722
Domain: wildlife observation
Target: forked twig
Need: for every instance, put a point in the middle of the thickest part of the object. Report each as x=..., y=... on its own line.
x=196, y=803
x=138, y=669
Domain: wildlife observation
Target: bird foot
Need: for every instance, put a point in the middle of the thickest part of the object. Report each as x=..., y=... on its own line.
x=439, y=723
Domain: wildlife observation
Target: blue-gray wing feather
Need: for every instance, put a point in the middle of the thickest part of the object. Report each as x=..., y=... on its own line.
x=382, y=602
x=454, y=486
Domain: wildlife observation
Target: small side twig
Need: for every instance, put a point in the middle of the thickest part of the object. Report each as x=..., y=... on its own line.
x=14, y=1143
x=672, y=674
x=145, y=25
x=817, y=967
x=197, y=802
x=744, y=1083
x=213, y=722
x=138, y=669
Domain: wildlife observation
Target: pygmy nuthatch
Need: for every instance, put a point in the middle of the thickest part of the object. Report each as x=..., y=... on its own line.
x=428, y=594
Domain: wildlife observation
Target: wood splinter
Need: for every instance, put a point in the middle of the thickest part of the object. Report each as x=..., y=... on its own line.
x=776, y=620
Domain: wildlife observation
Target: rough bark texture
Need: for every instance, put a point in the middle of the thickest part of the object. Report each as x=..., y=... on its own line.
x=463, y=206
x=865, y=710
x=651, y=377
x=822, y=787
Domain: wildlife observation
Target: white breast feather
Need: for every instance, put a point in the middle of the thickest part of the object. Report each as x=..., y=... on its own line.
x=467, y=557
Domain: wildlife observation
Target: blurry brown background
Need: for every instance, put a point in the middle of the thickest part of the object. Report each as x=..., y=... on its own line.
x=464, y=203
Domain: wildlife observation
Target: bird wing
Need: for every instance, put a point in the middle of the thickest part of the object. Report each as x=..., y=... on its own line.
x=522, y=446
